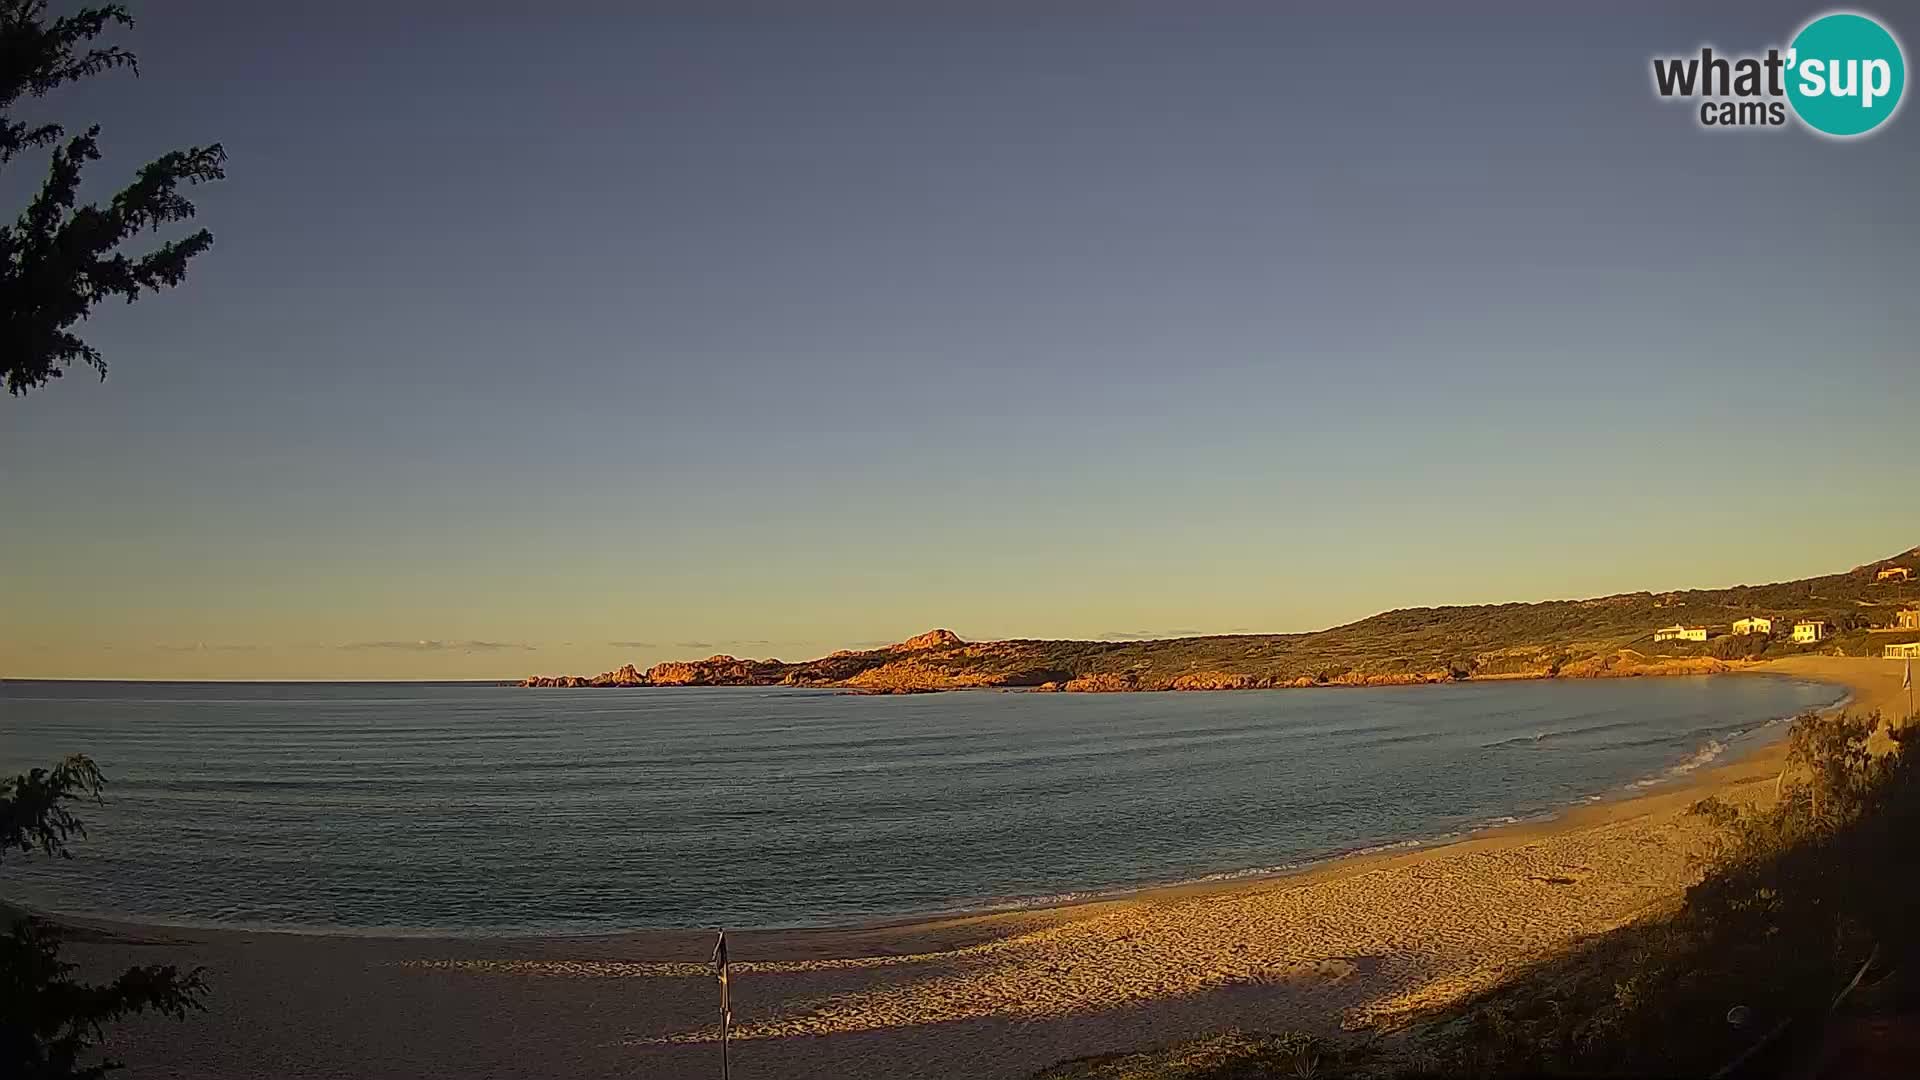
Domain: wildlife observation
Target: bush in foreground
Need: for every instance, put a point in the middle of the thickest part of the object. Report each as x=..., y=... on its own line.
x=51, y=1024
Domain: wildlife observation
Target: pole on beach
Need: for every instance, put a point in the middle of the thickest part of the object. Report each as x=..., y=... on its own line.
x=726, y=1012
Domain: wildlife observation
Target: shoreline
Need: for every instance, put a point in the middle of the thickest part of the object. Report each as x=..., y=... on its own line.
x=1571, y=815
x=1066, y=899
x=1361, y=940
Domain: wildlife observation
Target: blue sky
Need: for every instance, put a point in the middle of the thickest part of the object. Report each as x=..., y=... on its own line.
x=550, y=341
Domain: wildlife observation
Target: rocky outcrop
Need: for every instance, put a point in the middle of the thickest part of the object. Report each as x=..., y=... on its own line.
x=563, y=681
x=932, y=639
x=1218, y=680
x=1102, y=683
x=625, y=675
x=718, y=670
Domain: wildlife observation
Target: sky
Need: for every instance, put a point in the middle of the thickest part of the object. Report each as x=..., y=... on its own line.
x=546, y=338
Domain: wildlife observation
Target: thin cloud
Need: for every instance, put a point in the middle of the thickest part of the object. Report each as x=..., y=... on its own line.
x=436, y=645
x=631, y=644
x=718, y=643
x=202, y=646
x=1146, y=635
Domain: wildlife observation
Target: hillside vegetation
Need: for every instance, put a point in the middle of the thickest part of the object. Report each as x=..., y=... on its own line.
x=1611, y=635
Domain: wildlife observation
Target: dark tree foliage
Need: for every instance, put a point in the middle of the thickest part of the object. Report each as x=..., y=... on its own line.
x=59, y=260
x=49, y=1021
x=33, y=806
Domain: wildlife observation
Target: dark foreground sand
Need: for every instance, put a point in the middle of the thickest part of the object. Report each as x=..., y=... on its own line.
x=1358, y=941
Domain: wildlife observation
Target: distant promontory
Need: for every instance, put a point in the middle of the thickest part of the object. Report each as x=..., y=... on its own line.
x=1871, y=610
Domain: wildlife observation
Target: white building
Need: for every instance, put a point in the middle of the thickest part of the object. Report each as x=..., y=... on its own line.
x=1894, y=573
x=1680, y=633
x=1909, y=651
x=1808, y=631
x=1756, y=625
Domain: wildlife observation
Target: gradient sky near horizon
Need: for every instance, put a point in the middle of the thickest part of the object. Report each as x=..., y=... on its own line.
x=544, y=342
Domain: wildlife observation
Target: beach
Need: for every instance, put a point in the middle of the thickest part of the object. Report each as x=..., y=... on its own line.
x=1358, y=941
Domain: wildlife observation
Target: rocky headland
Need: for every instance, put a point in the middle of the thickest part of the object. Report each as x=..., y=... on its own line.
x=1604, y=637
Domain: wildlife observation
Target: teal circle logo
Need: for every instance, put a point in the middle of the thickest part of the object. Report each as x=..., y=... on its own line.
x=1845, y=74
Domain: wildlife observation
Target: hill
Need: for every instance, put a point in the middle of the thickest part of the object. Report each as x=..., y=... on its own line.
x=1610, y=635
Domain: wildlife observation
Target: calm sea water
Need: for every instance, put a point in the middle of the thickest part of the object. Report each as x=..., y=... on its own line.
x=484, y=809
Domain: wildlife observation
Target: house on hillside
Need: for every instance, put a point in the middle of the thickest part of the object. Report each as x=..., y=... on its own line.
x=1907, y=620
x=1909, y=651
x=1894, y=573
x=1757, y=624
x=1808, y=631
x=1680, y=633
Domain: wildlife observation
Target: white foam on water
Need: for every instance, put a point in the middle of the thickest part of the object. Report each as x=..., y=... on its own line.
x=1703, y=756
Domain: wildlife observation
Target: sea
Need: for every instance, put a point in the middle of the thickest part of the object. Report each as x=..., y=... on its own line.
x=473, y=809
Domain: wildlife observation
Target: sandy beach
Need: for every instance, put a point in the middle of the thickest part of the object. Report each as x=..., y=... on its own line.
x=1354, y=942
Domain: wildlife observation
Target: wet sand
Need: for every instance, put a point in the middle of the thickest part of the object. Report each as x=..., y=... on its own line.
x=1357, y=941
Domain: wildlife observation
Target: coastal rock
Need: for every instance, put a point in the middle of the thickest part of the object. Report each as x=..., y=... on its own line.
x=879, y=667
x=555, y=680
x=1103, y=683
x=717, y=670
x=678, y=672
x=1217, y=680
x=932, y=639
x=626, y=675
